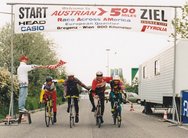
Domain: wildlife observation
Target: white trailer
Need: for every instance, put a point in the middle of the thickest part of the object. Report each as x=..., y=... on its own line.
x=157, y=74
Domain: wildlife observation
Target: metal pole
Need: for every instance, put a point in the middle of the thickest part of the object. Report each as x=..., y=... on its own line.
x=181, y=107
x=107, y=61
x=11, y=111
x=174, y=82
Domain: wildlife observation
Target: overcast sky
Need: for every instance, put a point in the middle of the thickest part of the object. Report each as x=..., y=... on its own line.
x=85, y=51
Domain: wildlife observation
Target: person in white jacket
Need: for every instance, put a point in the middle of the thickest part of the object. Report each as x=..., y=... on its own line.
x=22, y=73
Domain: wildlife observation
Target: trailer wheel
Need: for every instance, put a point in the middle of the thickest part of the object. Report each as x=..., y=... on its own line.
x=147, y=108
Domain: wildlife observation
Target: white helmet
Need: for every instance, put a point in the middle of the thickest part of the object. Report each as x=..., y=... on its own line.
x=99, y=73
x=116, y=77
x=69, y=74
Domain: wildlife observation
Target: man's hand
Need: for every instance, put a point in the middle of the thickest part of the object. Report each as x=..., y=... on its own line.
x=96, y=96
x=63, y=99
x=90, y=90
x=124, y=101
x=40, y=66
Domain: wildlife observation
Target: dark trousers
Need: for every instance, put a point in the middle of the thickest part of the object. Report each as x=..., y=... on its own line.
x=101, y=97
x=91, y=99
x=75, y=104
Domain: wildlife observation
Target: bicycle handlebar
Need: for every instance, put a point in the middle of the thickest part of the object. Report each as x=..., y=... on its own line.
x=71, y=96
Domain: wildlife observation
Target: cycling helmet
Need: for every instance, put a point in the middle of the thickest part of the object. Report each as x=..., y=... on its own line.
x=70, y=74
x=116, y=77
x=49, y=78
x=99, y=73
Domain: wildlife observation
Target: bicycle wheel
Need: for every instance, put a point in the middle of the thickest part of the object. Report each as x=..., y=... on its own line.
x=51, y=115
x=47, y=117
x=114, y=117
x=99, y=121
x=96, y=116
x=99, y=117
x=71, y=117
x=96, y=120
x=70, y=122
x=119, y=120
x=118, y=117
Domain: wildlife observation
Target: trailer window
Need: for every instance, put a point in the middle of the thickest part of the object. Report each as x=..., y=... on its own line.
x=157, y=67
x=144, y=72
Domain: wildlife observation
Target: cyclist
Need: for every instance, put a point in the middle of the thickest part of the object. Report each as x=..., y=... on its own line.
x=71, y=89
x=98, y=88
x=49, y=88
x=117, y=88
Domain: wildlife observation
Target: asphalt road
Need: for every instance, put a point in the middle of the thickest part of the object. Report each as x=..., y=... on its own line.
x=134, y=125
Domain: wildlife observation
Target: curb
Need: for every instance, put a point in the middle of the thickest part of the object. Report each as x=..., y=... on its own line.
x=31, y=111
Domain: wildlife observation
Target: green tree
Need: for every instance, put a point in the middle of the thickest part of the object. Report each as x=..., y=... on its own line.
x=5, y=89
x=39, y=51
x=35, y=46
x=133, y=87
x=181, y=23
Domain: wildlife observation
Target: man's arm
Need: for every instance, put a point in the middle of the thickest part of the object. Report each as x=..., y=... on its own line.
x=65, y=88
x=94, y=84
x=39, y=66
x=122, y=86
x=59, y=81
x=82, y=84
x=42, y=93
x=107, y=79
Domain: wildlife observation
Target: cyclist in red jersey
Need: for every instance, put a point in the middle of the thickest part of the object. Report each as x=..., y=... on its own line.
x=98, y=88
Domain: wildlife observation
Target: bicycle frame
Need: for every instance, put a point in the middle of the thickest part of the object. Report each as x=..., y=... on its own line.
x=48, y=111
x=98, y=115
x=71, y=112
x=72, y=115
x=117, y=113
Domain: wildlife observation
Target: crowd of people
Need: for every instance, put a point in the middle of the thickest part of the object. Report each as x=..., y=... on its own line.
x=97, y=89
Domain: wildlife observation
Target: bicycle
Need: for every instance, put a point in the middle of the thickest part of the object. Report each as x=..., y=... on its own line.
x=117, y=113
x=98, y=112
x=72, y=115
x=48, y=110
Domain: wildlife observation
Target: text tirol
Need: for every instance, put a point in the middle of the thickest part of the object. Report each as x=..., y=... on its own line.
x=153, y=14
x=32, y=12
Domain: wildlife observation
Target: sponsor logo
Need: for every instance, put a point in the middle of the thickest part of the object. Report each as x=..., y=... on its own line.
x=32, y=22
x=32, y=28
x=154, y=20
x=154, y=28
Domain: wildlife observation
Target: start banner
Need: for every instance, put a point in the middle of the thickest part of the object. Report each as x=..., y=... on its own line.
x=46, y=18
